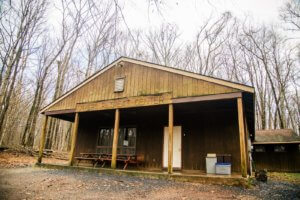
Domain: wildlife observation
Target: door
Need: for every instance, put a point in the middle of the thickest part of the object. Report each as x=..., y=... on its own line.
x=176, y=147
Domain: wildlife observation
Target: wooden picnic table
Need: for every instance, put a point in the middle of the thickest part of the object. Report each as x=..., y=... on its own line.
x=93, y=157
x=97, y=158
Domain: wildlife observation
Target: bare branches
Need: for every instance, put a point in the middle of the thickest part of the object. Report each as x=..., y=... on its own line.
x=101, y=36
x=164, y=44
x=37, y=66
x=290, y=14
x=208, y=44
x=277, y=62
x=21, y=23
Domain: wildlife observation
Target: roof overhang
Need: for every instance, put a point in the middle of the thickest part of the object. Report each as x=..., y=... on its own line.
x=291, y=142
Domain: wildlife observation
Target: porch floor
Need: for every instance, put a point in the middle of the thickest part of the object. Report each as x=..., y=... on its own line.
x=234, y=179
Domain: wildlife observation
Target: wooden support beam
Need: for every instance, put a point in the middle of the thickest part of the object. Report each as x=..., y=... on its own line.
x=74, y=138
x=126, y=102
x=115, y=140
x=247, y=137
x=42, y=140
x=170, y=144
x=242, y=137
x=207, y=98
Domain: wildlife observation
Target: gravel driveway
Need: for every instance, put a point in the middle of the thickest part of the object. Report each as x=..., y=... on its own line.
x=37, y=183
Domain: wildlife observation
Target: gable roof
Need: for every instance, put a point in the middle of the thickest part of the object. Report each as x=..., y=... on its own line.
x=219, y=81
x=276, y=136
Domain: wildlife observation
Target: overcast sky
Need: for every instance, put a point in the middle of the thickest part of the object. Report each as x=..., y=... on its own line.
x=190, y=14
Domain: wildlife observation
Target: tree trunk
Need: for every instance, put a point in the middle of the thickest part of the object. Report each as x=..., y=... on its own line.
x=7, y=96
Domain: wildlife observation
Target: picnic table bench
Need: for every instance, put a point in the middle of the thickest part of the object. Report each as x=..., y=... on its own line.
x=97, y=158
x=93, y=157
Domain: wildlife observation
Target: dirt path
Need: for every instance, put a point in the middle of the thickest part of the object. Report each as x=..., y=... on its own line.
x=19, y=180
x=36, y=183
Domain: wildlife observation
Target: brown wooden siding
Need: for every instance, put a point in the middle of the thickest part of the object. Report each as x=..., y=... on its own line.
x=86, y=138
x=207, y=127
x=278, y=161
x=139, y=81
x=150, y=141
x=211, y=129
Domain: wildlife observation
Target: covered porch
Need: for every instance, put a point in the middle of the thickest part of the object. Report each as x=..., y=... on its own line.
x=170, y=137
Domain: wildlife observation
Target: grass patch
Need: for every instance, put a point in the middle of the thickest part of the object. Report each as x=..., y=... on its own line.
x=289, y=177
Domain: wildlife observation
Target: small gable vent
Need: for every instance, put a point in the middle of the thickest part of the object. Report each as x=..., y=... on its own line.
x=119, y=84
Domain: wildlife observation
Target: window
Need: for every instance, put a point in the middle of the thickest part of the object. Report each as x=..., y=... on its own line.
x=279, y=148
x=126, y=140
x=119, y=84
x=260, y=148
x=105, y=139
x=130, y=136
x=105, y=136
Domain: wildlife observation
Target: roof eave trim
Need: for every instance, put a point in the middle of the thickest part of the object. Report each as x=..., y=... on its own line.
x=273, y=142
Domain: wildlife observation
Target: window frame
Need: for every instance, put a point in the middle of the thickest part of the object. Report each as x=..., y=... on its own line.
x=121, y=145
x=278, y=149
x=116, y=85
x=260, y=148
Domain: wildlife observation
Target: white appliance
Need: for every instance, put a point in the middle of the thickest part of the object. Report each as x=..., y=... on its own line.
x=211, y=160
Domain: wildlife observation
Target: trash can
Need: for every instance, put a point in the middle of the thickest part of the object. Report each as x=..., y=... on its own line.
x=211, y=160
x=223, y=168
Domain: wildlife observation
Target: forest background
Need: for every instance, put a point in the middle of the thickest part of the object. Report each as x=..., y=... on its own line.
x=47, y=47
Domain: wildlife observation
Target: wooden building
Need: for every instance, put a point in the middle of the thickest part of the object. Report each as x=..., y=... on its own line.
x=170, y=117
x=277, y=150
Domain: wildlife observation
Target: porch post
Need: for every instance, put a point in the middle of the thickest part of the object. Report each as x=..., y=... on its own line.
x=242, y=136
x=74, y=138
x=170, y=144
x=249, y=167
x=42, y=140
x=115, y=140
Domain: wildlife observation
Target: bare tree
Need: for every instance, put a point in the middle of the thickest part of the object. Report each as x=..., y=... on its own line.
x=164, y=45
x=74, y=18
x=20, y=23
x=290, y=14
x=100, y=38
x=275, y=65
x=134, y=49
x=209, y=44
x=46, y=57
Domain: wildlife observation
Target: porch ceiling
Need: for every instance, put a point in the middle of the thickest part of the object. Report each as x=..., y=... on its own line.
x=205, y=106
x=162, y=111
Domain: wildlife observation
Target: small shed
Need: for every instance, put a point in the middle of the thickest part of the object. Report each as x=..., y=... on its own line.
x=169, y=117
x=277, y=150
